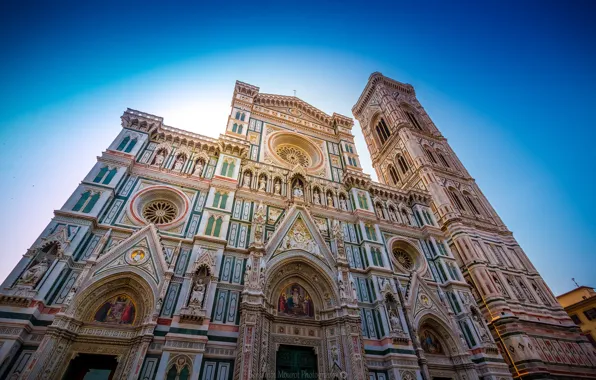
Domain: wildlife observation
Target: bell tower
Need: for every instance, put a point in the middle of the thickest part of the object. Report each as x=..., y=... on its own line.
x=409, y=152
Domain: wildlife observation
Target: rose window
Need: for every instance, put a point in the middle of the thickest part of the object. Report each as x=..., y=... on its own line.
x=293, y=155
x=403, y=258
x=160, y=212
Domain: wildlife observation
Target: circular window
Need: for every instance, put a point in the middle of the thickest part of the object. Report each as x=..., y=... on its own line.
x=403, y=258
x=160, y=212
x=293, y=155
x=163, y=206
x=291, y=149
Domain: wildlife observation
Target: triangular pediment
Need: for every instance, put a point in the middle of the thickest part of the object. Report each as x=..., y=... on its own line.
x=142, y=252
x=293, y=106
x=298, y=232
x=423, y=298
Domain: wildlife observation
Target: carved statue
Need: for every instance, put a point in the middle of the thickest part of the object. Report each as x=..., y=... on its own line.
x=335, y=354
x=262, y=184
x=316, y=197
x=32, y=275
x=70, y=296
x=342, y=289
x=395, y=321
x=198, y=294
x=338, y=233
x=246, y=180
x=178, y=164
x=354, y=292
x=343, y=204
x=329, y=200
x=297, y=191
x=277, y=188
x=198, y=168
x=159, y=158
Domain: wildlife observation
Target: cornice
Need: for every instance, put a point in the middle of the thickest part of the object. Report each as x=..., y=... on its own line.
x=374, y=80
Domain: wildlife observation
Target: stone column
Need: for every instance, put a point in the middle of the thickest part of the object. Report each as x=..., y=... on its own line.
x=196, y=367
x=163, y=365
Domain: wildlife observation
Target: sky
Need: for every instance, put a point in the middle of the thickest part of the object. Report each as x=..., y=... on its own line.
x=510, y=84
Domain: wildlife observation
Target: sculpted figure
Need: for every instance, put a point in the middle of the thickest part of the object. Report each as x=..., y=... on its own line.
x=159, y=158
x=32, y=275
x=277, y=188
x=343, y=204
x=395, y=322
x=262, y=184
x=198, y=168
x=329, y=200
x=198, y=293
x=316, y=198
x=178, y=164
x=298, y=191
x=70, y=296
x=246, y=180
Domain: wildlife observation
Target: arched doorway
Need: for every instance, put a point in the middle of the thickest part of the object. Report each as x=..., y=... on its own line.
x=445, y=358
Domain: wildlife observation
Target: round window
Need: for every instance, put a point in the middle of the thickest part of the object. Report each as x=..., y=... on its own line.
x=294, y=155
x=403, y=258
x=160, y=212
x=163, y=206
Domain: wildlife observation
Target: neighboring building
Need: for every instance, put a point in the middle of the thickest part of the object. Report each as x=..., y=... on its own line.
x=267, y=253
x=580, y=304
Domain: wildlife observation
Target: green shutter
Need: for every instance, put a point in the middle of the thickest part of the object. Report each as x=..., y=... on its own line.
x=209, y=229
x=91, y=203
x=217, y=227
x=130, y=146
x=99, y=176
x=111, y=175
x=81, y=201
x=123, y=143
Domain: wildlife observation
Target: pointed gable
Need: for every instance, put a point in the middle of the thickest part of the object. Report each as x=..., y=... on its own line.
x=142, y=252
x=298, y=231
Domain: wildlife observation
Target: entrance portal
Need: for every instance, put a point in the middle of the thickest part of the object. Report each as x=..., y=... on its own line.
x=295, y=362
x=91, y=367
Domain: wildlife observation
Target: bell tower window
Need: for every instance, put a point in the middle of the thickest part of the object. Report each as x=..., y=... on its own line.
x=383, y=131
x=394, y=175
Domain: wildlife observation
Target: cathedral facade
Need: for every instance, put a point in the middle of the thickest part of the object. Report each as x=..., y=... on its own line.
x=268, y=253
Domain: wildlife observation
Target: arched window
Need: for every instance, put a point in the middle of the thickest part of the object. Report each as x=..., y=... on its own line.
x=216, y=198
x=443, y=160
x=224, y=168
x=101, y=174
x=123, y=143
x=235, y=128
x=172, y=373
x=456, y=200
x=394, y=175
x=210, y=223
x=231, y=169
x=240, y=129
x=242, y=116
x=82, y=201
x=224, y=200
x=413, y=120
x=218, y=224
x=91, y=203
x=430, y=155
x=402, y=163
x=471, y=204
x=110, y=175
x=383, y=131
x=238, y=115
x=130, y=146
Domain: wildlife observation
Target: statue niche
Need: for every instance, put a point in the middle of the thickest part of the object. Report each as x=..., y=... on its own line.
x=294, y=301
x=40, y=265
x=195, y=311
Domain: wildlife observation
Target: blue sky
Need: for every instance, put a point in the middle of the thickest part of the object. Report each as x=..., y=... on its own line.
x=510, y=84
